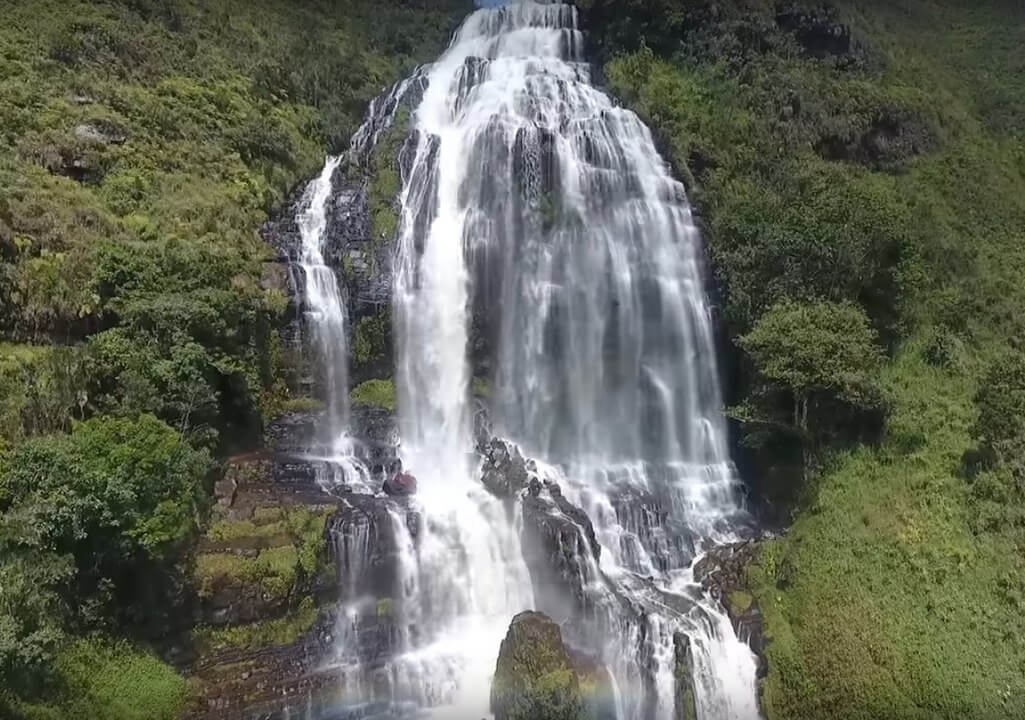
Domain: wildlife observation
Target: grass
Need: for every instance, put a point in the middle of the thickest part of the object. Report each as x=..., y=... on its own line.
x=259, y=635
x=375, y=393
x=282, y=570
x=101, y=680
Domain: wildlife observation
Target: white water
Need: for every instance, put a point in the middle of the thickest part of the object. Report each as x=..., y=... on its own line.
x=551, y=213
x=327, y=319
x=535, y=203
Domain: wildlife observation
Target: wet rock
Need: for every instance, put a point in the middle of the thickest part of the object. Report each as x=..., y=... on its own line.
x=505, y=470
x=266, y=682
x=561, y=553
x=534, y=677
x=652, y=532
x=367, y=546
x=721, y=572
x=683, y=674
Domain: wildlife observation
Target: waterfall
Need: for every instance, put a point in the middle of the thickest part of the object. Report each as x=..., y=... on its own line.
x=326, y=318
x=544, y=250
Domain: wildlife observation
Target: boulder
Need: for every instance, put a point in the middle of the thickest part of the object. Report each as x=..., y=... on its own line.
x=505, y=470
x=534, y=677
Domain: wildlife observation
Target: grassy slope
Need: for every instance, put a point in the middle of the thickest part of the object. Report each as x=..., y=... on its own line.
x=895, y=606
x=142, y=254
x=887, y=598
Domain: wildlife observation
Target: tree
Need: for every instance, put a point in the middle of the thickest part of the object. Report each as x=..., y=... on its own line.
x=811, y=360
x=30, y=616
x=117, y=496
x=1000, y=427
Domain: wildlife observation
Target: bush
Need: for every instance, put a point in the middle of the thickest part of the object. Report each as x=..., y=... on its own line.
x=120, y=497
x=104, y=680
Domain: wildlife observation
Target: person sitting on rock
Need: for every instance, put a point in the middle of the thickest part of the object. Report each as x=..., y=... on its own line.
x=401, y=483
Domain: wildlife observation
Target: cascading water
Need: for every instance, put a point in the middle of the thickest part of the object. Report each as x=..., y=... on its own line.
x=326, y=319
x=539, y=222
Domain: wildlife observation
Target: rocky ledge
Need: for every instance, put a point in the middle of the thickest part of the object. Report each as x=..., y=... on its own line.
x=722, y=573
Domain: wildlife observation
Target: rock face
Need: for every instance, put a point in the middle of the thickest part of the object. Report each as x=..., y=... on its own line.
x=721, y=572
x=534, y=677
x=561, y=551
x=504, y=472
x=266, y=591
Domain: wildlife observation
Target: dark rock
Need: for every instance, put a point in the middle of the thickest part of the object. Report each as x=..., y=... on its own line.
x=267, y=682
x=561, y=553
x=534, y=677
x=366, y=544
x=650, y=525
x=722, y=573
x=505, y=469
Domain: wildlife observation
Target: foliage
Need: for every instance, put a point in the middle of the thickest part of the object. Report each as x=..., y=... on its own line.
x=31, y=611
x=534, y=677
x=1001, y=402
x=289, y=552
x=258, y=635
x=822, y=355
x=119, y=497
x=386, y=180
x=104, y=680
x=372, y=342
x=142, y=145
x=375, y=393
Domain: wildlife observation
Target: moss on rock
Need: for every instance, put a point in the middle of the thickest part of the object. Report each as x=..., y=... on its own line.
x=534, y=678
x=258, y=635
x=372, y=342
x=386, y=178
x=375, y=393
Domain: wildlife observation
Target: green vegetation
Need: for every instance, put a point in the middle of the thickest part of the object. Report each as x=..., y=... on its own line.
x=142, y=144
x=481, y=388
x=103, y=681
x=534, y=677
x=258, y=635
x=285, y=552
x=853, y=186
x=375, y=393
x=386, y=180
x=372, y=342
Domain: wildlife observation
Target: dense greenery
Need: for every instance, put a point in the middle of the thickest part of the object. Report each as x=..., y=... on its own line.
x=142, y=144
x=859, y=173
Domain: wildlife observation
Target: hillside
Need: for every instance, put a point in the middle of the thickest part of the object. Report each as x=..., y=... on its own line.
x=860, y=173
x=142, y=144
